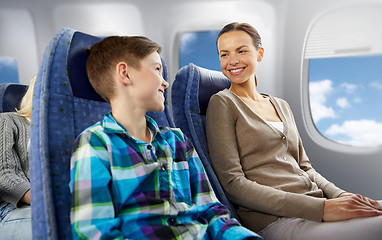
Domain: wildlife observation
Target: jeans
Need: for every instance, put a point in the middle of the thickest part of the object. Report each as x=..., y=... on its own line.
x=15, y=223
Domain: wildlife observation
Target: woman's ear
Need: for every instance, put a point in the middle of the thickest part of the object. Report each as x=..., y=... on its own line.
x=122, y=70
x=260, y=54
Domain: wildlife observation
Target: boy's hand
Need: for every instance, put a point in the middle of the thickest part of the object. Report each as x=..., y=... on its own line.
x=348, y=206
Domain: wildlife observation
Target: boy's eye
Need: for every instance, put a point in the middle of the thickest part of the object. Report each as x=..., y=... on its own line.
x=223, y=55
x=242, y=51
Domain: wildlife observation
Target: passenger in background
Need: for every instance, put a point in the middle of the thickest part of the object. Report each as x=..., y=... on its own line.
x=15, y=196
x=259, y=158
x=129, y=178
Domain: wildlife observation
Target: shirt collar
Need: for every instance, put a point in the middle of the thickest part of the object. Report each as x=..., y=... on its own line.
x=110, y=125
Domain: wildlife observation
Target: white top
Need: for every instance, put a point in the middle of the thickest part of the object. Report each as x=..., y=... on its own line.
x=278, y=125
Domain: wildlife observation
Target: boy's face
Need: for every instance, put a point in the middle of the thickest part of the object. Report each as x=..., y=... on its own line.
x=149, y=84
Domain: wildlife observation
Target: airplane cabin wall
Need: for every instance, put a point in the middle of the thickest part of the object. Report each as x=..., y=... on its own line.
x=18, y=40
x=161, y=21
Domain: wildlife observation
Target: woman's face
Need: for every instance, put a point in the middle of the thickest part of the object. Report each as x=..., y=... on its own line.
x=238, y=56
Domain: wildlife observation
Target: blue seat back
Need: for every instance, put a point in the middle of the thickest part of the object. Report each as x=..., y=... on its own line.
x=11, y=95
x=190, y=94
x=64, y=104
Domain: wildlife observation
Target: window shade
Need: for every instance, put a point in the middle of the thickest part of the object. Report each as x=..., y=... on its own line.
x=351, y=31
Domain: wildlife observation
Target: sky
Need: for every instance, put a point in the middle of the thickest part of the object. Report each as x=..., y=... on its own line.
x=345, y=93
x=8, y=70
x=346, y=99
x=199, y=48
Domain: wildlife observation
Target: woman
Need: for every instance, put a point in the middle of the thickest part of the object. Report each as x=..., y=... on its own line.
x=261, y=163
x=15, y=199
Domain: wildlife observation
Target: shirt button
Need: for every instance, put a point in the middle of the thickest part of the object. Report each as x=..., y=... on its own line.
x=284, y=158
x=149, y=147
x=283, y=137
x=171, y=221
x=164, y=167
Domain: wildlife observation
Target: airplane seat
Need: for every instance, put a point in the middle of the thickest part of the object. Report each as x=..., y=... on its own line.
x=64, y=104
x=190, y=94
x=11, y=95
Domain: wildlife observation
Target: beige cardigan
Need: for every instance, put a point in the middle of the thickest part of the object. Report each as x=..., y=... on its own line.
x=264, y=171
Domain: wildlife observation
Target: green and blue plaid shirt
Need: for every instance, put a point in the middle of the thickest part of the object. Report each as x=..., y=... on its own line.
x=124, y=188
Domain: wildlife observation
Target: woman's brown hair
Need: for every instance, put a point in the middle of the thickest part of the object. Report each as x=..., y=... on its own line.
x=251, y=31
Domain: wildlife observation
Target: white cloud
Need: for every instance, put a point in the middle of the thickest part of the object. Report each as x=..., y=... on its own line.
x=343, y=103
x=360, y=133
x=376, y=84
x=349, y=88
x=185, y=41
x=318, y=93
x=357, y=100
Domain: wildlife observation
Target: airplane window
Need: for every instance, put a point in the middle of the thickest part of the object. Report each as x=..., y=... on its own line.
x=199, y=48
x=346, y=98
x=8, y=70
x=342, y=65
x=19, y=45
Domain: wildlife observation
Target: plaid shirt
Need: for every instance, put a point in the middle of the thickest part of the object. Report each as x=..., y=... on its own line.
x=124, y=188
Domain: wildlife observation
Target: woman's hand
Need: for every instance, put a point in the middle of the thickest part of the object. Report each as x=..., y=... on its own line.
x=348, y=206
x=366, y=199
x=27, y=197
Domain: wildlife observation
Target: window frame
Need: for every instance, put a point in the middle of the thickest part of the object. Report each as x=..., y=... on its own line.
x=310, y=125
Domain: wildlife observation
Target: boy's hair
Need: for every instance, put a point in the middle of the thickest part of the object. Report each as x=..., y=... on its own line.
x=25, y=108
x=106, y=54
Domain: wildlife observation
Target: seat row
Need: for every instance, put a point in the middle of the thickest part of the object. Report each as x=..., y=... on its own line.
x=64, y=104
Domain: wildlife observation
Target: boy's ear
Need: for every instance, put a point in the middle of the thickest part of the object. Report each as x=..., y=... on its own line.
x=123, y=73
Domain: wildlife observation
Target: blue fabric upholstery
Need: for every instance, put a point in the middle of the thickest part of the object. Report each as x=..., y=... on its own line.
x=191, y=91
x=11, y=95
x=64, y=104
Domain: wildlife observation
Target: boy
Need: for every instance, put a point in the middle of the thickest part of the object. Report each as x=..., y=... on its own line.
x=130, y=179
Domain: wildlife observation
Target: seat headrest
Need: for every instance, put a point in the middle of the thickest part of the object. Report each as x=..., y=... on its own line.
x=12, y=96
x=210, y=82
x=77, y=57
